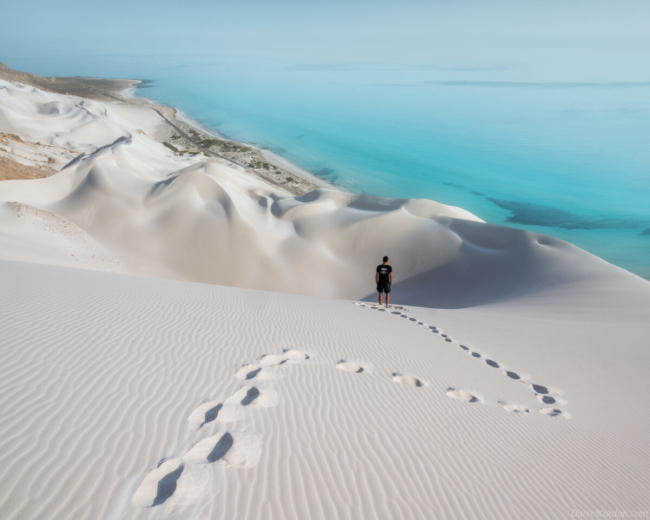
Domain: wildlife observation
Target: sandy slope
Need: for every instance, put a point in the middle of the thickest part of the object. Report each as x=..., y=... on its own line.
x=104, y=375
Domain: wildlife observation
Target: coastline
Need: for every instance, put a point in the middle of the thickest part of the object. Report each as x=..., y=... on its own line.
x=264, y=154
x=195, y=138
x=184, y=135
x=267, y=155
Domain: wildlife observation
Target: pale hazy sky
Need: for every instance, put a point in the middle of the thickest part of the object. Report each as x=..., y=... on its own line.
x=591, y=39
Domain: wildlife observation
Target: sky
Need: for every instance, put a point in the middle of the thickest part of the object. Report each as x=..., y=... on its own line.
x=590, y=40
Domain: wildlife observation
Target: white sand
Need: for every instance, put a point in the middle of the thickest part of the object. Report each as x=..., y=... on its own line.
x=513, y=386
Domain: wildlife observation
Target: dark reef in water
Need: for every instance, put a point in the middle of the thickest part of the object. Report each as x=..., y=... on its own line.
x=539, y=215
x=324, y=172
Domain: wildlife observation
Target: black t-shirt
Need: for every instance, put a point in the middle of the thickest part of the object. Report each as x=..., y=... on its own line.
x=384, y=273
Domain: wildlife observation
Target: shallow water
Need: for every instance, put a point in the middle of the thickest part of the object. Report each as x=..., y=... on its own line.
x=567, y=159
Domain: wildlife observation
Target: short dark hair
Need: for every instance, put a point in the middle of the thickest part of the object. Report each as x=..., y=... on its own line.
x=385, y=259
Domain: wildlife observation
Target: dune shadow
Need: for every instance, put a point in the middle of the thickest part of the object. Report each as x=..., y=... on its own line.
x=493, y=264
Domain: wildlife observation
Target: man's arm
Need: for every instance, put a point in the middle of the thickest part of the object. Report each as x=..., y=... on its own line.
x=376, y=277
x=391, y=277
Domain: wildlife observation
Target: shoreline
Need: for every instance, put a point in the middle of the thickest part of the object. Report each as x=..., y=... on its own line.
x=282, y=164
x=263, y=163
x=184, y=134
x=270, y=156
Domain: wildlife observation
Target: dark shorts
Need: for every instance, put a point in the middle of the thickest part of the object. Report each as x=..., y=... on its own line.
x=383, y=287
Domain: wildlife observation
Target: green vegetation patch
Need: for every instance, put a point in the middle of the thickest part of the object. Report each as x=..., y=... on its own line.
x=223, y=146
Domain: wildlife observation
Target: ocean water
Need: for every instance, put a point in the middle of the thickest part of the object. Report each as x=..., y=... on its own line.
x=565, y=158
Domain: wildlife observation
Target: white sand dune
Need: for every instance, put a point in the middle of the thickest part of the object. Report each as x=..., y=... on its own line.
x=514, y=385
x=105, y=375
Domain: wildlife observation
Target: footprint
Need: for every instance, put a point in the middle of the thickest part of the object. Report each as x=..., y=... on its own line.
x=556, y=412
x=512, y=407
x=492, y=363
x=159, y=484
x=476, y=355
x=237, y=449
x=250, y=395
x=271, y=360
x=413, y=319
x=449, y=340
x=545, y=390
x=463, y=395
x=517, y=376
x=407, y=380
x=210, y=449
x=213, y=411
x=349, y=366
x=396, y=312
x=295, y=354
x=257, y=372
x=548, y=399
x=204, y=414
x=466, y=349
x=403, y=316
x=248, y=372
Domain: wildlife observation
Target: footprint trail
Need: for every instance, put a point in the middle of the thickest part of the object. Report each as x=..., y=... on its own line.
x=543, y=394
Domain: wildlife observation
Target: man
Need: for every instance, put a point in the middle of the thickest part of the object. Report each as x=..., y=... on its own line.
x=384, y=279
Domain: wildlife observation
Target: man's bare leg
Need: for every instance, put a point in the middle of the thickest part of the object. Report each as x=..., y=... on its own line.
x=380, y=295
x=387, y=299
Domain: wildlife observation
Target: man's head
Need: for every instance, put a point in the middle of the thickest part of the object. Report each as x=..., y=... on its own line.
x=385, y=259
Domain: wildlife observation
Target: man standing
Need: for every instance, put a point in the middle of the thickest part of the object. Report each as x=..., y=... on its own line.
x=384, y=279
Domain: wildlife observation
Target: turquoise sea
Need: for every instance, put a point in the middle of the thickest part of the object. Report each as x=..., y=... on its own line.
x=564, y=157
